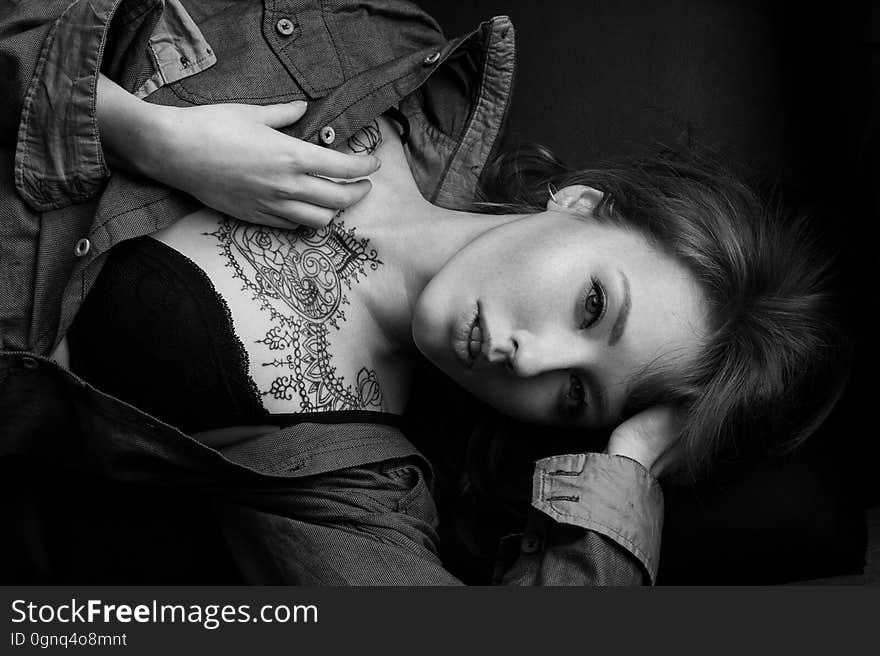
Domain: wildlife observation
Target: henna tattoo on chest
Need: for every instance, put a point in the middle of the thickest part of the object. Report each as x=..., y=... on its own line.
x=300, y=277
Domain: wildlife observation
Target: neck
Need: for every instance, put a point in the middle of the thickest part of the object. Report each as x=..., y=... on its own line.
x=415, y=246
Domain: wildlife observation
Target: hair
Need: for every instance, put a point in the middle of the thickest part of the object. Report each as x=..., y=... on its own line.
x=776, y=359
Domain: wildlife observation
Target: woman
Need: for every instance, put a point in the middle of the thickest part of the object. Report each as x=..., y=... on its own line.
x=668, y=283
x=301, y=304
x=674, y=288
x=329, y=319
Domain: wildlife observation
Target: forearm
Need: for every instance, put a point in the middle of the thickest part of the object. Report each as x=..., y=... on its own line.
x=130, y=129
x=231, y=157
x=554, y=554
x=599, y=523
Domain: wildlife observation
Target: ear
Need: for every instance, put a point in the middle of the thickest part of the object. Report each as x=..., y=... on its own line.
x=579, y=199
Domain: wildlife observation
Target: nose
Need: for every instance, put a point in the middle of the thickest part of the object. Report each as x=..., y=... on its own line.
x=502, y=351
x=528, y=355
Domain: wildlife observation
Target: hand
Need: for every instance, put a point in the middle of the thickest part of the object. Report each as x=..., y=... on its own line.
x=650, y=438
x=232, y=157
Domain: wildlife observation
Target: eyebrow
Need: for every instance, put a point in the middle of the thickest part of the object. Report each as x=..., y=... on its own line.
x=620, y=323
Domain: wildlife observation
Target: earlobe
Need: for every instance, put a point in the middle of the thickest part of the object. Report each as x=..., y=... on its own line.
x=579, y=199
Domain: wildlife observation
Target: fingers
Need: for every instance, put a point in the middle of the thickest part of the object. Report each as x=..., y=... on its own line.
x=305, y=213
x=288, y=214
x=269, y=220
x=646, y=436
x=312, y=202
x=327, y=193
x=281, y=114
x=322, y=161
x=333, y=164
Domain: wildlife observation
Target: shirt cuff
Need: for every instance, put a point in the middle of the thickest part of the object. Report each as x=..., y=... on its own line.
x=178, y=48
x=58, y=159
x=611, y=495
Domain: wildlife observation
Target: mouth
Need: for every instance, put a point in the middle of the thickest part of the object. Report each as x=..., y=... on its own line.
x=468, y=341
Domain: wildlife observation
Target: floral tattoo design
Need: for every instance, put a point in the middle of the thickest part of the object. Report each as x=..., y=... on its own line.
x=366, y=140
x=299, y=277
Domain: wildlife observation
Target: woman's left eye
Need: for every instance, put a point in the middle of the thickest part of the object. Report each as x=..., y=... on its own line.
x=593, y=303
x=576, y=392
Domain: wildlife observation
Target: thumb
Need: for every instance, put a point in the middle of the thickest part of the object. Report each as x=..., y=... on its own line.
x=282, y=114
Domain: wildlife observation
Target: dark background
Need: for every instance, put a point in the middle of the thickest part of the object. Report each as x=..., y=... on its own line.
x=789, y=97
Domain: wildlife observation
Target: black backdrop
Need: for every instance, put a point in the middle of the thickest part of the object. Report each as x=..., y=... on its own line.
x=789, y=95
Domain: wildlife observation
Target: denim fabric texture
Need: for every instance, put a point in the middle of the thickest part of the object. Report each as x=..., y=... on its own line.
x=313, y=503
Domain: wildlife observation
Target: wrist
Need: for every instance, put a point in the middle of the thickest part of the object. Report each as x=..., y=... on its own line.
x=152, y=141
x=643, y=459
x=629, y=445
x=132, y=131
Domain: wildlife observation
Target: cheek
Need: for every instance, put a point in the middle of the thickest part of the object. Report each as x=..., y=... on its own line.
x=453, y=292
x=530, y=400
x=504, y=256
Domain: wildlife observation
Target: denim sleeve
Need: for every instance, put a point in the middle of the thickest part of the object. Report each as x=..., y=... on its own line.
x=376, y=524
x=55, y=51
x=372, y=524
x=618, y=503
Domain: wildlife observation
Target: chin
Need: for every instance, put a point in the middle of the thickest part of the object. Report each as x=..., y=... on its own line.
x=427, y=333
x=433, y=322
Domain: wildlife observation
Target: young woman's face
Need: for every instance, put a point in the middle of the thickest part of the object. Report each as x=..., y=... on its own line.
x=551, y=317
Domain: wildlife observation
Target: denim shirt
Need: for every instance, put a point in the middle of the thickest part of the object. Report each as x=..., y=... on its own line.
x=312, y=503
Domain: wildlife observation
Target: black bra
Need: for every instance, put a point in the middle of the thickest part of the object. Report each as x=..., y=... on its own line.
x=155, y=333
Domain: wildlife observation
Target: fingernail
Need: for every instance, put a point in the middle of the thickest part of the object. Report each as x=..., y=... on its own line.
x=299, y=103
x=378, y=163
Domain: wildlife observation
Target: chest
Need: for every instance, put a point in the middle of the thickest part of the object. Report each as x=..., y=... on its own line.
x=297, y=303
x=313, y=308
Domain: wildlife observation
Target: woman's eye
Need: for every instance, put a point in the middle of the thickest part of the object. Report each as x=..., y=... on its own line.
x=594, y=304
x=576, y=392
x=573, y=401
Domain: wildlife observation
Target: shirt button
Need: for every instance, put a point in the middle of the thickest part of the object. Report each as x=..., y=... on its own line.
x=29, y=363
x=83, y=246
x=285, y=27
x=530, y=544
x=328, y=135
x=431, y=59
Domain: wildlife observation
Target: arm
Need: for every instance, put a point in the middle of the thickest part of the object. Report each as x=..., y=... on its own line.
x=597, y=521
x=61, y=57
x=375, y=523
x=231, y=157
x=601, y=515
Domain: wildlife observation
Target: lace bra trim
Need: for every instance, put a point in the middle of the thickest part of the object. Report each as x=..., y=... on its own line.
x=229, y=335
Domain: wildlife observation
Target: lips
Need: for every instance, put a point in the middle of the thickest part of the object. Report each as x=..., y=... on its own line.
x=468, y=337
x=475, y=339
